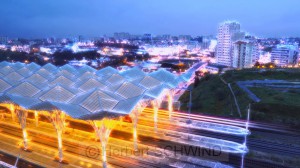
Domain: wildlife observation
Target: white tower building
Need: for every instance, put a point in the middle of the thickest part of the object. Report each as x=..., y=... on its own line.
x=228, y=33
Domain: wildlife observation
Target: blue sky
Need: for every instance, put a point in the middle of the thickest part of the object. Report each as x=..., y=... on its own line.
x=58, y=18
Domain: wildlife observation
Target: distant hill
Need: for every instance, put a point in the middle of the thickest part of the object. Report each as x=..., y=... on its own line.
x=213, y=97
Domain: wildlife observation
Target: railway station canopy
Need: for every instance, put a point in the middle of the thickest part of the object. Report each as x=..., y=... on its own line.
x=83, y=93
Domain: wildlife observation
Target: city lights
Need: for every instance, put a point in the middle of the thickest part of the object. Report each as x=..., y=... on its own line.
x=177, y=84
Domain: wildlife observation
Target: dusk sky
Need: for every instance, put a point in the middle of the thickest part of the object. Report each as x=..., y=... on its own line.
x=92, y=18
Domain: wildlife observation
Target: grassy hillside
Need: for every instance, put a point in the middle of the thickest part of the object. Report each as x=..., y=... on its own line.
x=213, y=97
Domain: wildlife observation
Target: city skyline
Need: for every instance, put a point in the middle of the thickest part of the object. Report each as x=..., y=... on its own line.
x=149, y=83
x=38, y=19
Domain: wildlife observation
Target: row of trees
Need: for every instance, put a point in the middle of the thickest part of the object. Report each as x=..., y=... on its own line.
x=62, y=57
x=19, y=57
x=262, y=65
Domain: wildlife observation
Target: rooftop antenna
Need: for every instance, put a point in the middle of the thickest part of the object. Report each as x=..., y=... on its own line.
x=248, y=116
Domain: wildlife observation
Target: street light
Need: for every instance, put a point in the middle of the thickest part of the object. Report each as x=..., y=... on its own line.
x=245, y=141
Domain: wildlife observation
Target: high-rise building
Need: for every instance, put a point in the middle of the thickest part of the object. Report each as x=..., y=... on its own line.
x=228, y=33
x=284, y=55
x=184, y=37
x=245, y=54
x=80, y=38
x=166, y=37
x=147, y=37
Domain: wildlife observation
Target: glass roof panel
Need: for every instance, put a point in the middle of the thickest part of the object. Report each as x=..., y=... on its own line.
x=115, y=79
x=133, y=73
x=6, y=70
x=45, y=73
x=33, y=66
x=36, y=79
x=86, y=68
x=68, y=68
x=25, y=72
x=50, y=67
x=61, y=80
x=129, y=90
x=16, y=66
x=149, y=82
x=107, y=71
x=4, y=63
x=65, y=73
x=24, y=89
x=13, y=78
x=57, y=94
x=4, y=85
x=91, y=84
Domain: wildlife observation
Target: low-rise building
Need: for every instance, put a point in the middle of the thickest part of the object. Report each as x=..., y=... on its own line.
x=285, y=55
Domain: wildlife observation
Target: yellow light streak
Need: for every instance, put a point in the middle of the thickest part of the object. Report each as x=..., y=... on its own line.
x=103, y=129
x=36, y=117
x=25, y=140
x=170, y=103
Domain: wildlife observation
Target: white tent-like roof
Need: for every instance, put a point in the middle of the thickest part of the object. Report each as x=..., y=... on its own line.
x=82, y=93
